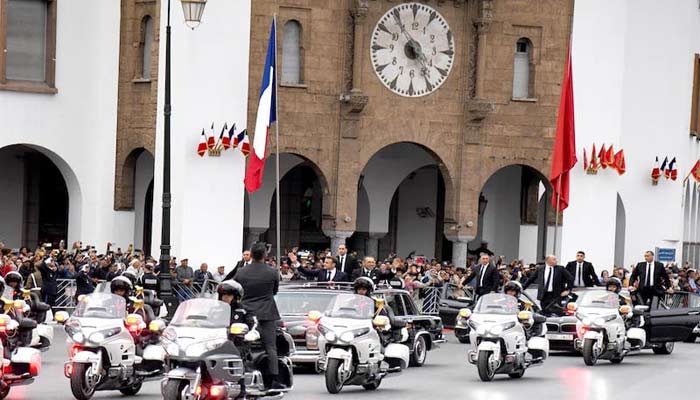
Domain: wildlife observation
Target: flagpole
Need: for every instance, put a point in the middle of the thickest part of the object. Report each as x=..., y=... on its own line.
x=556, y=217
x=277, y=152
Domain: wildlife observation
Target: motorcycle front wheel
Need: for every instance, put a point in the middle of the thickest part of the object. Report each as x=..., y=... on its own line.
x=173, y=389
x=486, y=373
x=589, y=356
x=131, y=390
x=82, y=383
x=333, y=382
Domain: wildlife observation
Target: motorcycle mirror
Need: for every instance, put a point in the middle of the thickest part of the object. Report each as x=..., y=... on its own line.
x=238, y=329
x=61, y=317
x=465, y=313
x=314, y=315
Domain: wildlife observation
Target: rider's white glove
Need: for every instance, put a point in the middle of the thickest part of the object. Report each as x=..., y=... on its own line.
x=252, y=336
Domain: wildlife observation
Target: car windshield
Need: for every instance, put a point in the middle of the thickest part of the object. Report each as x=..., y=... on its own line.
x=598, y=299
x=202, y=313
x=497, y=303
x=101, y=305
x=351, y=306
x=301, y=302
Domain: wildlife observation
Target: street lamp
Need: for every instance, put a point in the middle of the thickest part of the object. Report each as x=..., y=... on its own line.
x=193, y=10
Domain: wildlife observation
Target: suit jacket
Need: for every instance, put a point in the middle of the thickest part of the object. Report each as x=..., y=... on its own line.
x=375, y=275
x=561, y=281
x=320, y=274
x=350, y=264
x=260, y=284
x=661, y=278
x=234, y=271
x=587, y=274
x=492, y=279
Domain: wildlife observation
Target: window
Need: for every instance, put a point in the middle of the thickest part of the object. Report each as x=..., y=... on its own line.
x=395, y=304
x=291, y=53
x=28, y=38
x=521, y=69
x=694, y=114
x=410, y=306
x=146, y=46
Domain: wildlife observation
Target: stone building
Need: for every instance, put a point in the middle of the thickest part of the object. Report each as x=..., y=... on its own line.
x=386, y=166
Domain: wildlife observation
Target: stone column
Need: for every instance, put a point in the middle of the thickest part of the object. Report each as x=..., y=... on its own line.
x=253, y=236
x=337, y=238
x=358, y=13
x=459, y=249
x=373, y=243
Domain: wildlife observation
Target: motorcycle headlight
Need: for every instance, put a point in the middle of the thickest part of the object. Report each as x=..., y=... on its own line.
x=78, y=337
x=100, y=336
x=197, y=349
x=347, y=336
x=170, y=334
x=330, y=336
x=599, y=321
x=496, y=330
x=480, y=330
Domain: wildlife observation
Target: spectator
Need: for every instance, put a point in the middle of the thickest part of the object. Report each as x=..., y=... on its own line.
x=183, y=273
x=604, y=277
x=83, y=282
x=220, y=273
x=203, y=274
x=49, y=286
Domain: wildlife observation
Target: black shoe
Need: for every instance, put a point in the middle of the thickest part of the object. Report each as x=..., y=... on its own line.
x=276, y=385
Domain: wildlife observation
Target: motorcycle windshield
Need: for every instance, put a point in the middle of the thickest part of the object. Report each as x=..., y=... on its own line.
x=202, y=313
x=101, y=305
x=350, y=306
x=598, y=299
x=497, y=303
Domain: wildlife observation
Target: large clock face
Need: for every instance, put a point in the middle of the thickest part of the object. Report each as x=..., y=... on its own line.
x=412, y=50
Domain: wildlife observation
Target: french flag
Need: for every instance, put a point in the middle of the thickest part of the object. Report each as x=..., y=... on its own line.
x=267, y=114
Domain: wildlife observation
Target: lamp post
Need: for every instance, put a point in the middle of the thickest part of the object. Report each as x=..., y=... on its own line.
x=193, y=10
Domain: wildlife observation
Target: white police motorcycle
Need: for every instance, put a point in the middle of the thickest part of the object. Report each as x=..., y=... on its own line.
x=601, y=325
x=356, y=347
x=205, y=363
x=103, y=347
x=504, y=339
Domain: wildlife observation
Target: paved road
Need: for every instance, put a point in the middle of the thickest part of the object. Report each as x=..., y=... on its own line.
x=447, y=374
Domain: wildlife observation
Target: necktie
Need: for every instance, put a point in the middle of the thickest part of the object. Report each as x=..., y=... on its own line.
x=328, y=275
x=648, y=275
x=548, y=281
x=580, y=273
x=482, y=273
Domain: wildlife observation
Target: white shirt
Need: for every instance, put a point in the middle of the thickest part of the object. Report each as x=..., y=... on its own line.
x=547, y=270
x=219, y=277
x=332, y=274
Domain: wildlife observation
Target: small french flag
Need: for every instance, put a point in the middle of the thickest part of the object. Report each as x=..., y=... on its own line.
x=202, y=148
x=210, y=140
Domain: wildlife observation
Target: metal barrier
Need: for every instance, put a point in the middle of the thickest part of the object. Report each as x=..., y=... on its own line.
x=65, y=295
x=431, y=299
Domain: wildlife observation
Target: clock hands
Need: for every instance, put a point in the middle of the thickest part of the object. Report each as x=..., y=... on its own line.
x=414, y=44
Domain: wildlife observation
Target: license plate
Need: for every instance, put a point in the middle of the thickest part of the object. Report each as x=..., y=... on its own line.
x=560, y=336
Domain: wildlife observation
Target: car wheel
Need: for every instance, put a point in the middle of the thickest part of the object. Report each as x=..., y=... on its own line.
x=420, y=352
x=691, y=338
x=665, y=348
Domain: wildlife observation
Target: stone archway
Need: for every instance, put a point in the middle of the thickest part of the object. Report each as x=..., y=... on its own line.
x=515, y=214
x=303, y=204
x=401, y=203
x=41, y=200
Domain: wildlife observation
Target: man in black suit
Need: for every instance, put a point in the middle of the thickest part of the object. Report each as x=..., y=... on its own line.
x=346, y=262
x=486, y=276
x=369, y=270
x=582, y=271
x=242, y=263
x=260, y=284
x=329, y=272
x=553, y=282
x=649, y=279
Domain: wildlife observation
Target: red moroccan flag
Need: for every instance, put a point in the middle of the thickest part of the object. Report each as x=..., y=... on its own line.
x=564, y=156
x=603, y=156
x=610, y=157
x=619, y=163
x=594, y=159
x=585, y=160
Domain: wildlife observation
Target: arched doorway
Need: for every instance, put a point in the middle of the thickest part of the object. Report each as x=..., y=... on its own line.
x=401, y=203
x=515, y=215
x=41, y=198
x=138, y=172
x=303, y=187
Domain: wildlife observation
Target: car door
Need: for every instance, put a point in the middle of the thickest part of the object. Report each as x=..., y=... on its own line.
x=425, y=322
x=673, y=324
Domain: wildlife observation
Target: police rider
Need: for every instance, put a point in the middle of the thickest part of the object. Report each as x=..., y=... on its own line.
x=615, y=285
x=515, y=289
x=364, y=286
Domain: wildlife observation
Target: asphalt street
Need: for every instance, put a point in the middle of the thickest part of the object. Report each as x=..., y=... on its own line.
x=446, y=374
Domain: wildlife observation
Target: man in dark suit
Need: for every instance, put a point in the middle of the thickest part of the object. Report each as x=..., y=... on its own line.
x=346, y=262
x=260, y=284
x=582, y=271
x=486, y=276
x=649, y=279
x=369, y=270
x=242, y=263
x=329, y=272
x=553, y=282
